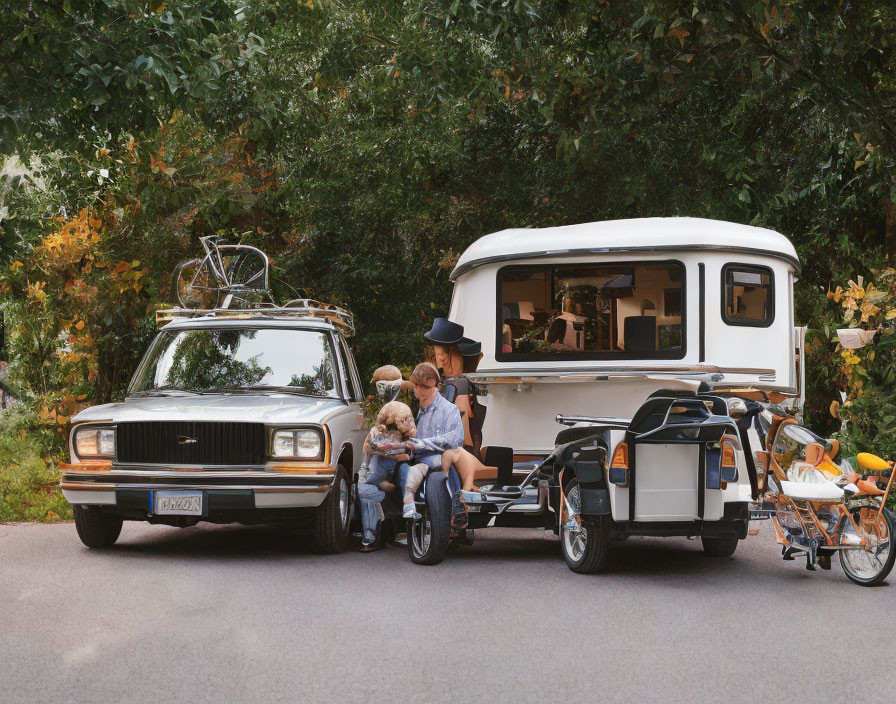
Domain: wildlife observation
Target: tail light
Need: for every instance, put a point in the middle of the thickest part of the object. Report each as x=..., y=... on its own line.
x=619, y=466
x=729, y=461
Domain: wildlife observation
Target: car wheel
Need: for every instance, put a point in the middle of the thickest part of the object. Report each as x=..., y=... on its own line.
x=587, y=546
x=719, y=547
x=95, y=528
x=428, y=536
x=331, y=521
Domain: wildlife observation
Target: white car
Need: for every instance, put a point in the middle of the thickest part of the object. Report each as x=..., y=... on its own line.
x=234, y=416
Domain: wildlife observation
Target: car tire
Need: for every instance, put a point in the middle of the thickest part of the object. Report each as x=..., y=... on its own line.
x=719, y=547
x=585, y=550
x=95, y=528
x=332, y=518
x=428, y=537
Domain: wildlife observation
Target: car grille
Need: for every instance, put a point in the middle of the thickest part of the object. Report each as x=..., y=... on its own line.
x=191, y=442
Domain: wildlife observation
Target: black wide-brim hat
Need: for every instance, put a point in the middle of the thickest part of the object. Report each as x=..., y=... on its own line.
x=468, y=347
x=444, y=332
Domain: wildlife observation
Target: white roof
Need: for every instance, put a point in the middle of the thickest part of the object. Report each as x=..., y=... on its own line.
x=637, y=234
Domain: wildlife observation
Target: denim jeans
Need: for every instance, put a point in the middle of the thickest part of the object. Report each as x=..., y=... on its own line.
x=370, y=494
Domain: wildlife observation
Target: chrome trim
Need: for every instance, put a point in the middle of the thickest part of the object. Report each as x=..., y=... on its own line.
x=483, y=375
x=86, y=496
x=572, y=420
x=585, y=251
x=118, y=486
x=202, y=475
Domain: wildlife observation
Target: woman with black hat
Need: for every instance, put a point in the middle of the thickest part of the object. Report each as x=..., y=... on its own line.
x=455, y=354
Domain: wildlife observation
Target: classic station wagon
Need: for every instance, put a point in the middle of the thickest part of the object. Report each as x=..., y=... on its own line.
x=232, y=416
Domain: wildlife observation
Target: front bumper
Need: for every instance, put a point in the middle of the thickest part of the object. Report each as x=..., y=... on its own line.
x=250, y=488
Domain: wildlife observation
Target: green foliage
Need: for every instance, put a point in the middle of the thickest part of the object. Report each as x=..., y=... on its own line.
x=29, y=483
x=78, y=70
x=364, y=145
x=868, y=374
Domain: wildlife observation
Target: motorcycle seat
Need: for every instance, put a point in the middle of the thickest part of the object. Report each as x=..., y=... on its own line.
x=872, y=463
x=825, y=491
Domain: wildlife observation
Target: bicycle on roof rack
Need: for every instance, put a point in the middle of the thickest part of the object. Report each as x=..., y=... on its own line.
x=227, y=276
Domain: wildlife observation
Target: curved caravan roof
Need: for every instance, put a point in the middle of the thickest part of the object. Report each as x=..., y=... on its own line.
x=634, y=235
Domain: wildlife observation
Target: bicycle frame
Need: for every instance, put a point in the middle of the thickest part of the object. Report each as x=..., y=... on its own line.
x=214, y=255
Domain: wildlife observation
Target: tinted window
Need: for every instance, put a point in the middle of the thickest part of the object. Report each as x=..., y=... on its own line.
x=747, y=295
x=591, y=311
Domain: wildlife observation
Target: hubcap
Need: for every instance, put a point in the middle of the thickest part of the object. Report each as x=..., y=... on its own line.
x=421, y=534
x=574, y=539
x=343, y=502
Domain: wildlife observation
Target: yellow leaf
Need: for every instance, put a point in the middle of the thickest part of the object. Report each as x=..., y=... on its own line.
x=679, y=34
x=16, y=265
x=764, y=29
x=79, y=325
x=859, y=163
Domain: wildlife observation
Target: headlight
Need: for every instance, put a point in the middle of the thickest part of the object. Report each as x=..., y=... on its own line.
x=95, y=442
x=300, y=444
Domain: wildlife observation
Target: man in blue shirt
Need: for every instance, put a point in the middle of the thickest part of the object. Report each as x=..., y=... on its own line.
x=439, y=425
x=439, y=428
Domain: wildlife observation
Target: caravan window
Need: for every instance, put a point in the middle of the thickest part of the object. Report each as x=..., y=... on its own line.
x=748, y=295
x=631, y=310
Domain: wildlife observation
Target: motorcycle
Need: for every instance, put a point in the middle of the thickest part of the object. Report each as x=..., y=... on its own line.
x=820, y=508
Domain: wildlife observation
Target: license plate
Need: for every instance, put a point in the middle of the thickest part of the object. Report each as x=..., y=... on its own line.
x=178, y=503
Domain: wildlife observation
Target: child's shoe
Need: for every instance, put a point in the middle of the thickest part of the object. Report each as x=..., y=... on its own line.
x=410, y=511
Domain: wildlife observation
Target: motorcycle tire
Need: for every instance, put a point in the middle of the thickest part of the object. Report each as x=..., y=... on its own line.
x=428, y=536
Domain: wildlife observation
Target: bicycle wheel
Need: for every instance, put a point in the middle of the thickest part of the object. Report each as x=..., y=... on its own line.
x=195, y=285
x=871, y=565
x=246, y=267
x=246, y=271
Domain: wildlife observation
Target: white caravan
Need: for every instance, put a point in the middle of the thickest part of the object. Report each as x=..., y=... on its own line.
x=645, y=336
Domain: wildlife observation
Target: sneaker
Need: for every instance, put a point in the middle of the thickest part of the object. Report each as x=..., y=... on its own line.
x=471, y=497
x=401, y=539
x=369, y=547
x=410, y=511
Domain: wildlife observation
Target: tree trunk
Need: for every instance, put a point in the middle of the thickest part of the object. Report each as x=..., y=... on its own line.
x=890, y=229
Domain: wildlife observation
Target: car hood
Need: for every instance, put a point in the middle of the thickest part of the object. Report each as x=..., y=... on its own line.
x=271, y=408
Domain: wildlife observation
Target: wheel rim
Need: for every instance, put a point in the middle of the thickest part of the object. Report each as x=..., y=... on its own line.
x=867, y=563
x=194, y=287
x=421, y=534
x=343, y=503
x=575, y=540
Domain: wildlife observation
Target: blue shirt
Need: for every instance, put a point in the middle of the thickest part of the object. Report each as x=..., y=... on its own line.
x=439, y=428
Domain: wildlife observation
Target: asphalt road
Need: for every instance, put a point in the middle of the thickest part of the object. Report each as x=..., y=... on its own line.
x=233, y=614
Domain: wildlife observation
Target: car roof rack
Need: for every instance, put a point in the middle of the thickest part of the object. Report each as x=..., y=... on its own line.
x=296, y=309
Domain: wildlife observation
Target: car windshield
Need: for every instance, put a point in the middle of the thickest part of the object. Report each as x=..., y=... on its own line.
x=229, y=359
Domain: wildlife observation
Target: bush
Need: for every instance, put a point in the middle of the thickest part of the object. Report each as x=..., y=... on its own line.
x=868, y=374
x=29, y=481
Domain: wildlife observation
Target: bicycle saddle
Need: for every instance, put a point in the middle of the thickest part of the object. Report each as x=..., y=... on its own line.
x=872, y=463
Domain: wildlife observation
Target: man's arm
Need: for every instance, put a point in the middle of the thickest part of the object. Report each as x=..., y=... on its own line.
x=451, y=438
